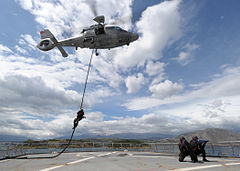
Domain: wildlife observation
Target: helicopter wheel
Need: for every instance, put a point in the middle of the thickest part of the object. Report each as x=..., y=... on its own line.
x=96, y=52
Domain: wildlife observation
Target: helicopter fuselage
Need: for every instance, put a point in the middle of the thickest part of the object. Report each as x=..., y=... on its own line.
x=97, y=36
x=110, y=37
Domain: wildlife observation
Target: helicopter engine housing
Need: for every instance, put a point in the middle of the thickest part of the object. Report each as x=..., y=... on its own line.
x=46, y=44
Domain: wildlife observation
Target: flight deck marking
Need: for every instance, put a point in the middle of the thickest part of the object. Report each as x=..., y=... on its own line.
x=101, y=155
x=206, y=167
x=130, y=154
x=232, y=164
x=4, y=160
x=77, y=161
x=51, y=168
x=167, y=157
x=70, y=163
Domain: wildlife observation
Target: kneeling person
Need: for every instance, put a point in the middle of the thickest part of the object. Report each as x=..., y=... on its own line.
x=198, y=147
x=185, y=150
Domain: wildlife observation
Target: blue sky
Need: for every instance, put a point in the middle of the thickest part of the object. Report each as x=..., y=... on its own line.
x=182, y=74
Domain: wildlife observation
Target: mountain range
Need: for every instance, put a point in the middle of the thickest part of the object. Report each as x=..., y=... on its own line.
x=214, y=135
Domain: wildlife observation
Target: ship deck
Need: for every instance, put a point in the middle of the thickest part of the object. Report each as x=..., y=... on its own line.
x=117, y=161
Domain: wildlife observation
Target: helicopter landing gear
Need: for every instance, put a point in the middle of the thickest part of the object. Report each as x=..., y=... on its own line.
x=96, y=53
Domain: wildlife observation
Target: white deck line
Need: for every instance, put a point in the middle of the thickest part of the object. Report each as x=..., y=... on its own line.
x=232, y=164
x=206, y=167
x=81, y=160
x=167, y=157
x=77, y=161
x=4, y=160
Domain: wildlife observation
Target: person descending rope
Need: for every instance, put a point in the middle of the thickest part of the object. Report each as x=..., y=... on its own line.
x=80, y=113
x=80, y=116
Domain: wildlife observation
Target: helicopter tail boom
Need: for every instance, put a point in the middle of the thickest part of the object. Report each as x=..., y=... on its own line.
x=49, y=41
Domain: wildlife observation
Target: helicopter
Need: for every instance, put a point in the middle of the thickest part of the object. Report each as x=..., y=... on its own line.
x=98, y=36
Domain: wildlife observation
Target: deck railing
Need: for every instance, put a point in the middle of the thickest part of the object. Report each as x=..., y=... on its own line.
x=9, y=149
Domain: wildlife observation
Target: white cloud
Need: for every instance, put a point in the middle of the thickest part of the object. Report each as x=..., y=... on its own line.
x=222, y=85
x=104, y=67
x=159, y=26
x=209, y=112
x=165, y=89
x=4, y=49
x=26, y=40
x=33, y=95
x=186, y=56
x=156, y=71
x=213, y=109
x=50, y=78
x=134, y=83
x=23, y=124
x=148, y=123
x=95, y=117
x=155, y=68
x=21, y=50
x=159, y=78
x=174, y=120
x=142, y=103
x=75, y=14
x=60, y=77
x=97, y=95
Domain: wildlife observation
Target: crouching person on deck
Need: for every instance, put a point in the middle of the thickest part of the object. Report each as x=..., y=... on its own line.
x=198, y=147
x=185, y=150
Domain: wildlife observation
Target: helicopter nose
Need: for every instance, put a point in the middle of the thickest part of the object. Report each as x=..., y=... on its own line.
x=134, y=36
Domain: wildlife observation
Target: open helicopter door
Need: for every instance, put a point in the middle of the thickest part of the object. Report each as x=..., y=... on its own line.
x=47, y=34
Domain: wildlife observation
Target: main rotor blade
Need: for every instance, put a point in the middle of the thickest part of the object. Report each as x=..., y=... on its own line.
x=93, y=6
x=124, y=20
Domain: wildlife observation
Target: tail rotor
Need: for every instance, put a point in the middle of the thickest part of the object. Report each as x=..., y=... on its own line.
x=49, y=41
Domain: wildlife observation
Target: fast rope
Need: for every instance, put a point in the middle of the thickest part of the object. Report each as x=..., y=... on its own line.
x=79, y=117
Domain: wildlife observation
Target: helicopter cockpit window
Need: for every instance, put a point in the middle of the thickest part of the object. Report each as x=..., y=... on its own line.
x=116, y=28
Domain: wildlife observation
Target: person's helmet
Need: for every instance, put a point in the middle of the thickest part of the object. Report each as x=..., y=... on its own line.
x=195, y=138
x=182, y=138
